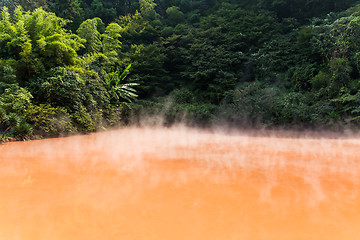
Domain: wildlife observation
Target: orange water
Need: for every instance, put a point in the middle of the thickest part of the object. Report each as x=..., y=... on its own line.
x=168, y=184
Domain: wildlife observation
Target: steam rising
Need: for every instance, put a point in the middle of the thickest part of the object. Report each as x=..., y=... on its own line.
x=137, y=178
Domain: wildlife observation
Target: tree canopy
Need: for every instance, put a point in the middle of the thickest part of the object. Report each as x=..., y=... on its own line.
x=63, y=64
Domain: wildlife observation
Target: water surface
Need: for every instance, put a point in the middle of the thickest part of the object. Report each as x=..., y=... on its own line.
x=161, y=184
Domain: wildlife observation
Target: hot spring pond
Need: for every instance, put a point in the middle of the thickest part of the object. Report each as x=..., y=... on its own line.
x=180, y=184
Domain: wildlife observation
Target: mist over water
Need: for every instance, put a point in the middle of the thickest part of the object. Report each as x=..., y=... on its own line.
x=180, y=183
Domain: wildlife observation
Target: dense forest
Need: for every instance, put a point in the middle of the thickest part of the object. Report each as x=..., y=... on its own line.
x=70, y=66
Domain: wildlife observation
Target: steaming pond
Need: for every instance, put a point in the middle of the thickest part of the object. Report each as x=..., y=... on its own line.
x=162, y=184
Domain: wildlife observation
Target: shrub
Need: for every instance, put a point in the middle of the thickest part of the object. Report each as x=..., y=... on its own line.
x=15, y=99
x=83, y=121
x=49, y=121
x=250, y=103
x=113, y=115
x=23, y=131
x=182, y=95
x=294, y=108
x=198, y=114
x=60, y=87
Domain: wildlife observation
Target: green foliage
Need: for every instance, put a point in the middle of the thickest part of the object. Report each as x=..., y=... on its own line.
x=28, y=5
x=8, y=71
x=302, y=9
x=38, y=53
x=95, y=8
x=198, y=114
x=182, y=96
x=83, y=121
x=60, y=87
x=222, y=48
x=320, y=81
x=15, y=99
x=174, y=15
x=70, y=9
x=2, y=115
x=251, y=103
x=117, y=89
x=48, y=121
x=136, y=30
x=89, y=30
x=294, y=108
x=23, y=131
x=350, y=103
x=12, y=121
x=36, y=41
x=148, y=70
x=269, y=62
x=114, y=115
x=166, y=111
x=147, y=8
x=14, y=103
x=111, y=41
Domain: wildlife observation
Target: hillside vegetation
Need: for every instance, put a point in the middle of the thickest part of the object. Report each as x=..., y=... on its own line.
x=85, y=65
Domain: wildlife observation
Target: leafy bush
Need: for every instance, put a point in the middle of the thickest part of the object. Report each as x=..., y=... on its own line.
x=294, y=108
x=49, y=121
x=182, y=96
x=114, y=115
x=60, y=87
x=199, y=114
x=14, y=103
x=83, y=121
x=23, y=131
x=15, y=99
x=250, y=103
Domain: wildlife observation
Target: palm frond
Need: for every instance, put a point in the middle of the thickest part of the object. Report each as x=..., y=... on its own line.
x=123, y=75
x=118, y=90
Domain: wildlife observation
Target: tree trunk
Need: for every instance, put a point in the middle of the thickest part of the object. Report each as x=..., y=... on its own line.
x=6, y=131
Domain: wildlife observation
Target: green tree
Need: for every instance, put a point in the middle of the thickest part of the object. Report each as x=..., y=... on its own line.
x=90, y=31
x=28, y=5
x=37, y=41
x=69, y=9
x=111, y=42
x=147, y=8
x=174, y=15
x=222, y=48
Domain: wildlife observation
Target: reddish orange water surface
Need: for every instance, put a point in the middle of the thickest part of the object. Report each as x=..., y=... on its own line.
x=169, y=184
